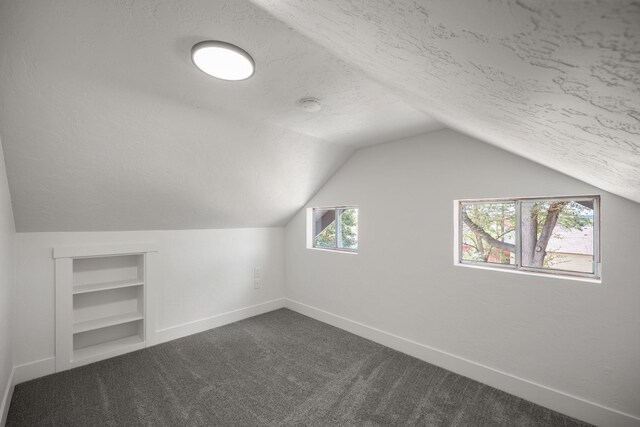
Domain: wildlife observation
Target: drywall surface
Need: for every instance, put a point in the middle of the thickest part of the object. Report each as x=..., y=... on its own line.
x=202, y=273
x=7, y=280
x=575, y=337
x=109, y=125
x=557, y=82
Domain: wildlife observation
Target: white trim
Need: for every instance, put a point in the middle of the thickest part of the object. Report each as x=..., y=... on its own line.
x=152, y=287
x=36, y=369
x=334, y=250
x=529, y=198
x=542, y=395
x=63, y=273
x=6, y=398
x=98, y=250
x=201, y=325
x=529, y=273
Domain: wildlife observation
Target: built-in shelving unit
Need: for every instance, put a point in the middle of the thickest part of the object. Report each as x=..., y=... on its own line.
x=101, y=302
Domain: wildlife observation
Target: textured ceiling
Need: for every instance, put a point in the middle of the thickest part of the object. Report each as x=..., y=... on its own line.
x=106, y=124
x=557, y=82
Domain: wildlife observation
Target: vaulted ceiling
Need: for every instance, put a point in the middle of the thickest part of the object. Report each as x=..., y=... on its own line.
x=106, y=124
x=557, y=82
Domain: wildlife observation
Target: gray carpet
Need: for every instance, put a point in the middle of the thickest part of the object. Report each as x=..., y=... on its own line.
x=280, y=368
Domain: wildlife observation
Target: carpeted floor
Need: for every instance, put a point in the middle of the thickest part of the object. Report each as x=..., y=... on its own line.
x=277, y=369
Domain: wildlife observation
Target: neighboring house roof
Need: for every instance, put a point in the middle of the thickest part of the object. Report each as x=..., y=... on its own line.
x=571, y=241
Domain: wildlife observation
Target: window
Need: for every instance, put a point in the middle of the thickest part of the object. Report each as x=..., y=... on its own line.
x=335, y=228
x=558, y=235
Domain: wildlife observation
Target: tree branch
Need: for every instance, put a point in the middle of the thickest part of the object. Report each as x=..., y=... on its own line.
x=547, y=229
x=486, y=236
x=505, y=233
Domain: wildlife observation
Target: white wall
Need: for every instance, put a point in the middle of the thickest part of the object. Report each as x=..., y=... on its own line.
x=582, y=339
x=7, y=279
x=203, y=274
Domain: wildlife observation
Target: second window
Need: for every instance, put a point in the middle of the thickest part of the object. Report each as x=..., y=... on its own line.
x=551, y=235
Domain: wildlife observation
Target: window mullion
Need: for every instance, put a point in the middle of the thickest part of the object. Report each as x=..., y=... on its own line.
x=338, y=228
x=460, y=231
x=596, y=238
x=518, y=242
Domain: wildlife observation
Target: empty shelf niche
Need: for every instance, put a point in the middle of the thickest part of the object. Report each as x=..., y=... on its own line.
x=101, y=294
x=107, y=272
x=108, y=305
x=95, y=310
x=107, y=340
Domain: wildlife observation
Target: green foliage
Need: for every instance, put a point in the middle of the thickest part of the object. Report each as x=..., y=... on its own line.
x=573, y=216
x=349, y=231
x=327, y=237
x=498, y=220
x=349, y=226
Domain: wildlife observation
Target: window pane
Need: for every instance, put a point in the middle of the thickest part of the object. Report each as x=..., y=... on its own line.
x=488, y=232
x=558, y=235
x=348, y=228
x=324, y=228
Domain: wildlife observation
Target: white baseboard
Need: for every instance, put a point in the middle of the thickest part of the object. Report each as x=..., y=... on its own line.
x=545, y=396
x=6, y=398
x=33, y=370
x=201, y=325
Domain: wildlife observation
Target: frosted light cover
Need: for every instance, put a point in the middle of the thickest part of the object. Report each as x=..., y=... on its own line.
x=223, y=60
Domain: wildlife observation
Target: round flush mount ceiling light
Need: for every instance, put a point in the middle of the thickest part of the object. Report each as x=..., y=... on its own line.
x=223, y=60
x=311, y=105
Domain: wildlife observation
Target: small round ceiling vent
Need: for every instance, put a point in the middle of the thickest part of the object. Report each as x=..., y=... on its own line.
x=310, y=105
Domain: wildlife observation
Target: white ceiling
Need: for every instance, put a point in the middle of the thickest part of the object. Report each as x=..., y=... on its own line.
x=106, y=124
x=557, y=82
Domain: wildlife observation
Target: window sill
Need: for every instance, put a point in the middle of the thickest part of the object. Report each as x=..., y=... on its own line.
x=342, y=251
x=531, y=273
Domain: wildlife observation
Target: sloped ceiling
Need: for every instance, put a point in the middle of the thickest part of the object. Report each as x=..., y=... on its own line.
x=107, y=125
x=557, y=82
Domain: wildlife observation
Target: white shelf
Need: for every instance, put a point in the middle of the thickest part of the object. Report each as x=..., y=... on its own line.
x=94, y=287
x=103, y=250
x=90, y=325
x=107, y=347
x=101, y=302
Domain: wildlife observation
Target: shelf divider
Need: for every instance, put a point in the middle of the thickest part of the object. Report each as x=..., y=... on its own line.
x=94, y=287
x=107, y=347
x=103, y=322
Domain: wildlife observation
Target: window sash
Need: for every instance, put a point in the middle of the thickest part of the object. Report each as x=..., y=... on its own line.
x=336, y=247
x=518, y=238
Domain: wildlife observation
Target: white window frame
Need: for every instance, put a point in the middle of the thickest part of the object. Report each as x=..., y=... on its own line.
x=311, y=229
x=518, y=267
